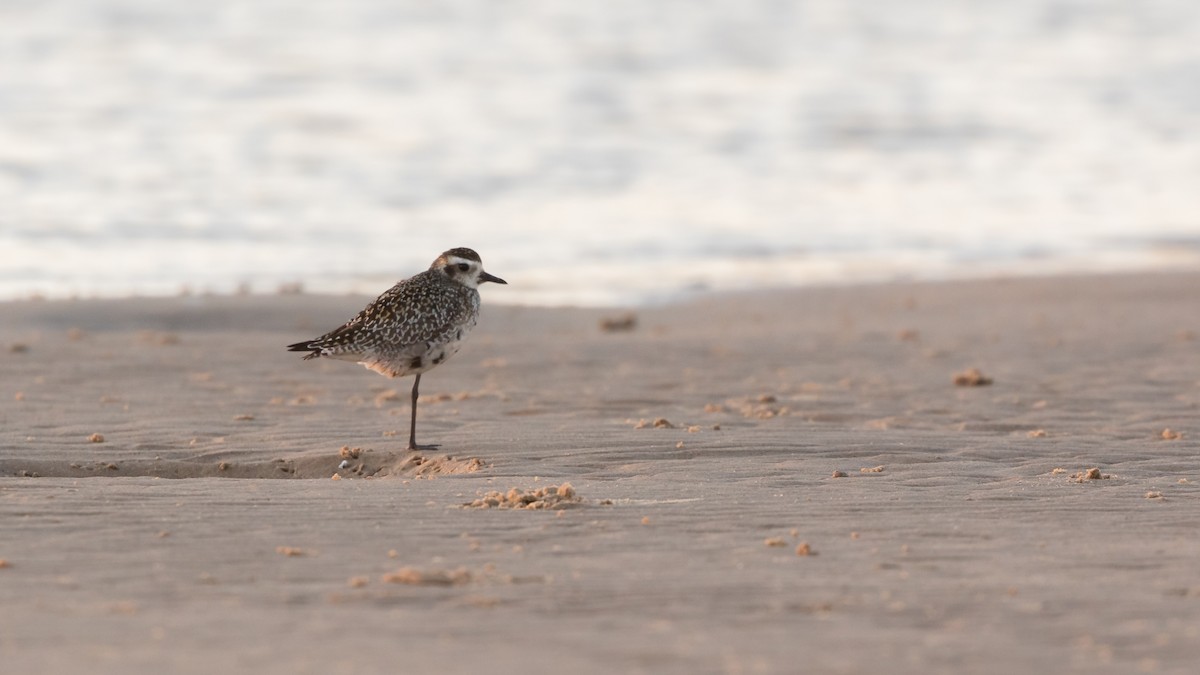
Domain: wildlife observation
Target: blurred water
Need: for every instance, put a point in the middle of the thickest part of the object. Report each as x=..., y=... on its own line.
x=593, y=153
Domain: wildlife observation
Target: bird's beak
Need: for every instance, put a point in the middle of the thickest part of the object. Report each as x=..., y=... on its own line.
x=484, y=276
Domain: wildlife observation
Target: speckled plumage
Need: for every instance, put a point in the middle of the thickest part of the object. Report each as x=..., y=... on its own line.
x=413, y=326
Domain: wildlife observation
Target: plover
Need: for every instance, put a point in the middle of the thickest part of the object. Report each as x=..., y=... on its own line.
x=414, y=326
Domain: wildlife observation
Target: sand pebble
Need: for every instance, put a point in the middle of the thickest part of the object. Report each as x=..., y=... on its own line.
x=4, y=564
x=840, y=474
x=336, y=476
x=96, y=438
x=971, y=377
x=645, y=520
x=873, y=469
x=19, y=396
x=803, y=549
x=291, y=551
x=357, y=582
x=1037, y=433
x=1154, y=494
x=771, y=542
x=1168, y=435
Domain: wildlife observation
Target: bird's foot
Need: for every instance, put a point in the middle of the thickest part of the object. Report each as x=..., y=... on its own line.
x=413, y=447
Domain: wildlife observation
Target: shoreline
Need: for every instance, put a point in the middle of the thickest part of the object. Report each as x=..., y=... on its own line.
x=1185, y=263
x=966, y=533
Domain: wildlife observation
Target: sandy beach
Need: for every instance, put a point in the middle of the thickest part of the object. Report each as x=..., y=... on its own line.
x=777, y=482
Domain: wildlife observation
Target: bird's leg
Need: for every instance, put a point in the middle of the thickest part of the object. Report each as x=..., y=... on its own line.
x=412, y=429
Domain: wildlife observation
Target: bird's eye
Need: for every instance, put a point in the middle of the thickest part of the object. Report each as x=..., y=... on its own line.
x=463, y=267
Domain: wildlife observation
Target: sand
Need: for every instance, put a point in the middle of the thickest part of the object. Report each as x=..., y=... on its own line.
x=912, y=525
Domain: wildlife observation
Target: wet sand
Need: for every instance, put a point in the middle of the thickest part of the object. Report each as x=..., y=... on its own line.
x=795, y=481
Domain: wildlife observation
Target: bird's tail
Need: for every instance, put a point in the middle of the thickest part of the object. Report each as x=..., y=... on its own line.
x=306, y=346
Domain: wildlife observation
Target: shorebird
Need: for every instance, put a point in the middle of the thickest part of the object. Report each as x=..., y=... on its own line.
x=414, y=326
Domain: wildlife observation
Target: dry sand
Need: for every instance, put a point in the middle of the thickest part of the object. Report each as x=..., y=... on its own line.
x=797, y=481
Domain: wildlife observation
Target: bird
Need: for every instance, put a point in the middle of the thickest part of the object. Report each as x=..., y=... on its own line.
x=413, y=326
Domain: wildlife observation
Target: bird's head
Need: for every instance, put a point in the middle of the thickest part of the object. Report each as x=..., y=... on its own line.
x=462, y=265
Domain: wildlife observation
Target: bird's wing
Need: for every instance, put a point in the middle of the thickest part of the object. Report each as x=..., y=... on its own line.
x=409, y=313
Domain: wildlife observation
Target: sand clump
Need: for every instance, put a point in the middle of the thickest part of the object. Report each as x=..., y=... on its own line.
x=618, y=324
x=549, y=497
x=1169, y=435
x=459, y=576
x=415, y=577
x=419, y=466
x=159, y=338
x=762, y=407
x=971, y=377
x=1091, y=474
x=664, y=423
